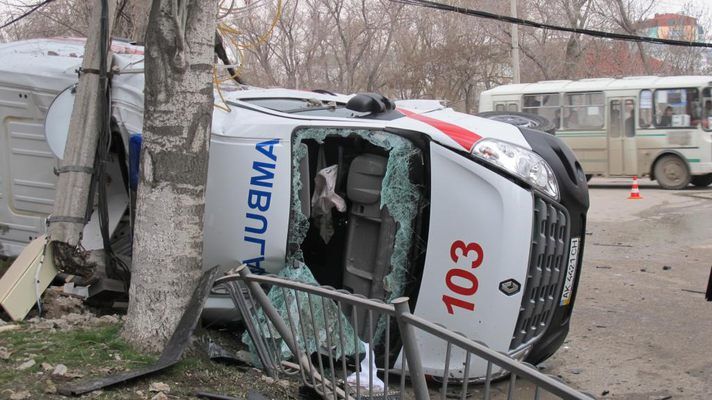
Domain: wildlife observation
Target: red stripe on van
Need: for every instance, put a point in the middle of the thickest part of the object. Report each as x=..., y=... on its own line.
x=462, y=136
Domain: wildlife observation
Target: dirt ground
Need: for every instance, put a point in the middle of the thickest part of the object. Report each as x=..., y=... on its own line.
x=641, y=328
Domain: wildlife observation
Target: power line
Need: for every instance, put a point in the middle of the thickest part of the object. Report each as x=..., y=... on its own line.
x=534, y=24
x=30, y=11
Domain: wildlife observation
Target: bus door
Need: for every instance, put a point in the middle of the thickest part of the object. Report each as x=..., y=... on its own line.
x=622, y=148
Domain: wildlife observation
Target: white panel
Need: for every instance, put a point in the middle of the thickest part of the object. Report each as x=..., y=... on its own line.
x=472, y=204
x=234, y=192
x=31, y=167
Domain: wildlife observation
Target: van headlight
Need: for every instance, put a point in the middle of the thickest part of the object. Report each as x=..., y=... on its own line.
x=520, y=162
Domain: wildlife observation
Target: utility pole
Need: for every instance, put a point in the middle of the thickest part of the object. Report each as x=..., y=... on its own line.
x=76, y=168
x=515, y=45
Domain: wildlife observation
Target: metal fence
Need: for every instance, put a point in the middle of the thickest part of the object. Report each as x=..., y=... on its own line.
x=346, y=346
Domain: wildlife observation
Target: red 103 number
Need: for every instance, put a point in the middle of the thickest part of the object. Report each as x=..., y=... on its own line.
x=466, y=284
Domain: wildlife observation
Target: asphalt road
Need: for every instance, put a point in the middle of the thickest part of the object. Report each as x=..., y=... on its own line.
x=641, y=328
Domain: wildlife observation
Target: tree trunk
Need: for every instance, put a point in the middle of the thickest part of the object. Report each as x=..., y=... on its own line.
x=168, y=239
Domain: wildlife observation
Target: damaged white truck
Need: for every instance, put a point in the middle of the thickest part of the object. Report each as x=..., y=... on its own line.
x=480, y=223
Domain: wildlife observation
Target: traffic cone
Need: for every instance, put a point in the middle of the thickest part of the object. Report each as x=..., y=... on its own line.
x=634, y=191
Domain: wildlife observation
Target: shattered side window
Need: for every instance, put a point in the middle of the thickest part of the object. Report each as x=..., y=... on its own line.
x=321, y=320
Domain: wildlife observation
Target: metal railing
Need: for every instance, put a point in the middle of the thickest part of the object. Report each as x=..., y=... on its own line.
x=314, y=334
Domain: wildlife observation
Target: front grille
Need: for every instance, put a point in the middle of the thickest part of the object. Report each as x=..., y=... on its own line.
x=546, y=271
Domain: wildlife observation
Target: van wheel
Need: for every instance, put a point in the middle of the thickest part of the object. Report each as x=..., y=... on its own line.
x=701, y=180
x=672, y=173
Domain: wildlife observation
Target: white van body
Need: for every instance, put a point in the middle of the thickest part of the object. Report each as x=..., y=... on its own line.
x=481, y=220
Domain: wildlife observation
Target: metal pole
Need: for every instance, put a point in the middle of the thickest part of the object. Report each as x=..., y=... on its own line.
x=282, y=328
x=410, y=346
x=515, y=45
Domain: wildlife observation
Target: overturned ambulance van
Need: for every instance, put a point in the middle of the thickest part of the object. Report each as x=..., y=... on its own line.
x=480, y=223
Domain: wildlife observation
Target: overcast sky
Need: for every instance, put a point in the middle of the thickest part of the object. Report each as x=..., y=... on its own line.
x=666, y=6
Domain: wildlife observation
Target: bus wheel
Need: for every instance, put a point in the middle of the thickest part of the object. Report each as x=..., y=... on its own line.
x=701, y=180
x=671, y=172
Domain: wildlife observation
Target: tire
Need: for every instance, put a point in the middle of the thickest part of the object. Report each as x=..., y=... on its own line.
x=521, y=120
x=672, y=172
x=701, y=180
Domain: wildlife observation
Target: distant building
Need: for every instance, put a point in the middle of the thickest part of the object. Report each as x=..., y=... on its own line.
x=671, y=26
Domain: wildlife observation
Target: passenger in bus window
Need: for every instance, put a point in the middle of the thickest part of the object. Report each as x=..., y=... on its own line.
x=630, y=120
x=707, y=115
x=572, y=121
x=557, y=118
x=666, y=119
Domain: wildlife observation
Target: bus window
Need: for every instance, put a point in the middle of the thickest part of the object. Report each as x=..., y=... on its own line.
x=629, y=124
x=646, y=109
x=614, y=127
x=583, y=110
x=547, y=105
x=707, y=109
x=677, y=108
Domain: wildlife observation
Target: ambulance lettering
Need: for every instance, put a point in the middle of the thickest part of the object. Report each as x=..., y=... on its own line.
x=462, y=281
x=259, y=199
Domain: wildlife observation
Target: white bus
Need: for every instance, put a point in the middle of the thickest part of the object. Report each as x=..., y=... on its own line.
x=644, y=125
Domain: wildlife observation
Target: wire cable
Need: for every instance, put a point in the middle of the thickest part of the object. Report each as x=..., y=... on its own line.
x=26, y=14
x=540, y=25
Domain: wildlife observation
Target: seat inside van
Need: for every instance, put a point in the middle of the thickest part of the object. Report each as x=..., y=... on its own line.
x=369, y=247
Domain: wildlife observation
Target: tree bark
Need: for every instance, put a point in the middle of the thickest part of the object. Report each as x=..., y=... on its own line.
x=168, y=239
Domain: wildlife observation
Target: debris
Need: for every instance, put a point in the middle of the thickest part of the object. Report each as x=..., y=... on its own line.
x=603, y=267
x=576, y=371
x=59, y=370
x=20, y=395
x=693, y=291
x=109, y=319
x=18, y=286
x=605, y=392
x=160, y=396
x=268, y=380
x=46, y=366
x=55, y=304
x=206, y=395
x=6, y=328
x=643, y=270
x=4, y=353
x=50, y=388
x=27, y=364
x=666, y=267
x=159, y=387
x=368, y=367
